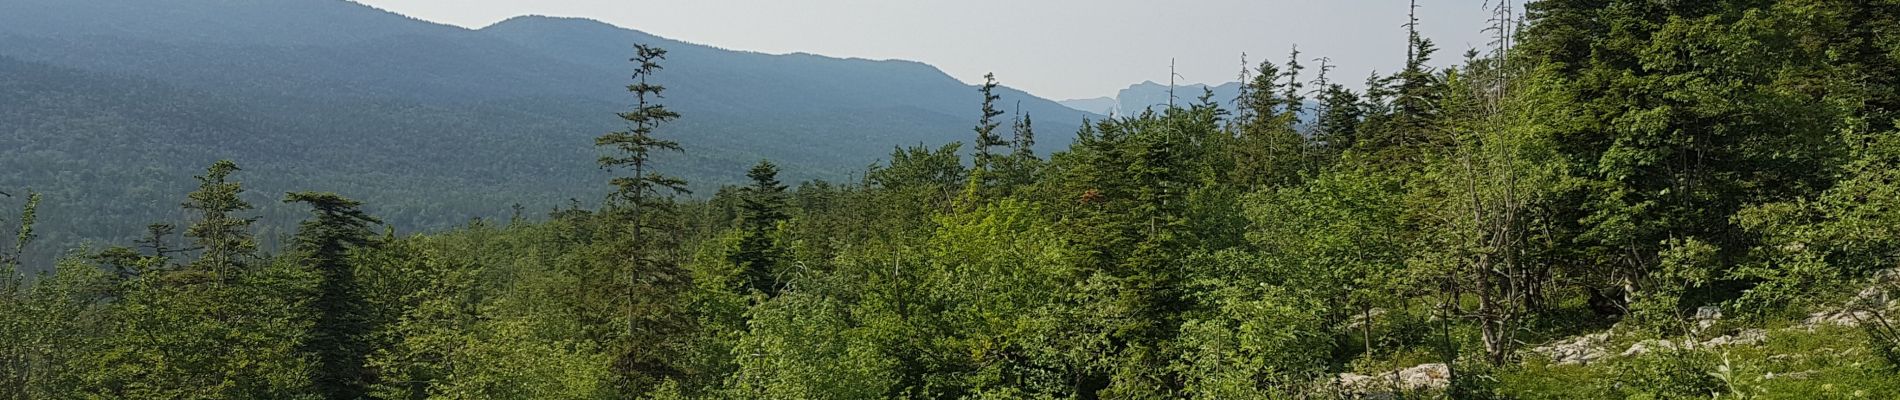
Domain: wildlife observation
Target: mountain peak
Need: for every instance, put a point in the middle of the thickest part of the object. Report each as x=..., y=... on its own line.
x=549, y=21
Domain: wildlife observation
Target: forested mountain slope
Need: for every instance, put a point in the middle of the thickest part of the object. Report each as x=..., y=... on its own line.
x=1625, y=199
x=403, y=112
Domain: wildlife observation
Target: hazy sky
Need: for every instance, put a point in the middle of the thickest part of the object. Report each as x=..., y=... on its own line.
x=1054, y=48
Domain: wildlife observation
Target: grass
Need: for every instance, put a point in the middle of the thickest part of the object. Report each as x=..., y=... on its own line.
x=1825, y=363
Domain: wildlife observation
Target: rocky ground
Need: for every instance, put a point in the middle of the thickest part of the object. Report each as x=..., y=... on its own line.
x=1873, y=305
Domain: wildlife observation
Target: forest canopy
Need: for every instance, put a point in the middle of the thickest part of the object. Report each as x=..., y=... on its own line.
x=1613, y=199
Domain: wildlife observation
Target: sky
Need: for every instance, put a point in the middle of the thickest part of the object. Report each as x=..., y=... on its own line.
x=1059, y=49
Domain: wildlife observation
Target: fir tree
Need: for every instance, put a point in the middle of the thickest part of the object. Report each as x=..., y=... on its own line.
x=636, y=145
x=1271, y=151
x=762, y=208
x=1415, y=93
x=1336, y=128
x=1025, y=139
x=1021, y=167
x=986, y=124
x=1293, y=97
x=224, y=237
x=652, y=283
x=340, y=338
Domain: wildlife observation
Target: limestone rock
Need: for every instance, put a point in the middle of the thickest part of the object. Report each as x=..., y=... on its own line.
x=1577, y=350
x=1422, y=377
x=1745, y=337
x=1646, y=346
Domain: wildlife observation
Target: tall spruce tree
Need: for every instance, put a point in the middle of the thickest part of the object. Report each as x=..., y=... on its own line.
x=1021, y=167
x=1293, y=96
x=1336, y=125
x=1270, y=151
x=340, y=338
x=224, y=237
x=1025, y=141
x=652, y=282
x=1403, y=121
x=986, y=124
x=636, y=145
x=762, y=208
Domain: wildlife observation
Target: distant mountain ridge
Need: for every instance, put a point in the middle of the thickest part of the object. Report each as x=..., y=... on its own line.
x=1150, y=95
x=1098, y=105
x=1146, y=95
x=429, y=124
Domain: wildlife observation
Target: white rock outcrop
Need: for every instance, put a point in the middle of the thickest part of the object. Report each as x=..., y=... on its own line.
x=1577, y=350
x=1422, y=377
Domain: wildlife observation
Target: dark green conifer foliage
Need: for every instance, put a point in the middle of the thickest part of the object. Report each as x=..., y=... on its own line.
x=154, y=241
x=10, y=261
x=340, y=338
x=1293, y=99
x=635, y=146
x=653, y=282
x=1336, y=125
x=761, y=208
x=225, y=238
x=1022, y=166
x=1242, y=101
x=1415, y=91
x=1336, y=128
x=986, y=136
x=1670, y=154
x=1132, y=179
x=1271, y=152
x=1025, y=139
x=1675, y=145
x=226, y=325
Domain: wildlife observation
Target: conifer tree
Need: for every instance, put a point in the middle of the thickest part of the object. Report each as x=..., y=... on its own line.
x=1336, y=125
x=1271, y=149
x=652, y=283
x=1021, y=167
x=1243, y=100
x=636, y=145
x=225, y=238
x=986, y=124
x=340, y=338
x=762, y=208
x=1415, y=92
x=10, y=261
x=1150, y=277
x=227, y=325
x=1025, y=139
x=1293, y=97
x=154, y=240
x=645, y=191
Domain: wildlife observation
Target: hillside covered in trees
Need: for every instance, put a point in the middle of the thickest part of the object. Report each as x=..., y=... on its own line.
x=114, y=104
x=1615, y=199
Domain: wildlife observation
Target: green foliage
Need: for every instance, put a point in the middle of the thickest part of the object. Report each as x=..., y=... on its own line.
x=804, y=346
x=1271, y=151
x=1631, y=162
x=340, y=337
x=1262, y=342
x=986, y=124
x=1338, y=238
x=761, y=209
x=637, y=144
x=225, y=238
